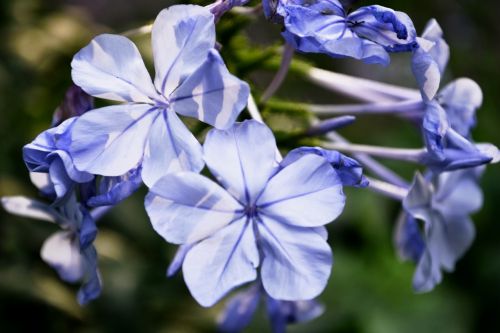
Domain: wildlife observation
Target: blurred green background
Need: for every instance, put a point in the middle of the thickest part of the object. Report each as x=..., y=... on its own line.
x=370, y=289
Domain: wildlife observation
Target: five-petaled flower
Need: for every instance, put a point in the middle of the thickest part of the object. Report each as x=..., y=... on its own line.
x=263, y=216
x=191, y=79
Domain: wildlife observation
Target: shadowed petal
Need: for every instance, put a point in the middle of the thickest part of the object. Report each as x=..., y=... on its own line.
x=111, y=67
x=171, y=147
x=427, y=74
x=182, y=37
x=306, y=193
x=110, y=141
x=239, y=310
x=296, y=262
x=440, y=51
x=186, y=207
x=242, y=158
x=222, y=262
x=62, y=252
x=211, y=94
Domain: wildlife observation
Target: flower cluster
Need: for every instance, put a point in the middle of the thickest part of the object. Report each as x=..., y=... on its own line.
x=260, y=220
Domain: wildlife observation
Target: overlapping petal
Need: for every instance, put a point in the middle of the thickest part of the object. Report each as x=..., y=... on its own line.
x=297, y=261
x=62, y=252
x=306, y=193
x=186, y=207
x=110, y=141
x=242, y=158
x=229, y=258
x=211, y=94
x=182, y=37
x=111, y=67
x=171, y=147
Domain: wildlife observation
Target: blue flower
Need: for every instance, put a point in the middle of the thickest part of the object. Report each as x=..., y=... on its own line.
x=241, y=307
x=368, y=33
x=260, y=217
x=191, y=79
x=443, y=203
x=75, y=103
x=70, y=251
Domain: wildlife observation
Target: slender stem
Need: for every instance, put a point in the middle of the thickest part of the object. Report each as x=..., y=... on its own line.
x=390, y=190
x=370, y=108
x=145, y=29
x=372, y=164
x=99, y=212
x=278, y=79
x=409, y=155
x=361, y=89
x=329, y=125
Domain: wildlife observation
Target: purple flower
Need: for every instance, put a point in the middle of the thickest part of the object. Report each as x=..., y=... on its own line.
x=323, y=26
x=191, y=79
x=259, y=217
x=436, y=230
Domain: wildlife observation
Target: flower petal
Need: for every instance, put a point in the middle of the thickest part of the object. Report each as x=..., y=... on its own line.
x=239, y=310
x=112, y=190
x=440, y=51
x=211, y=94
x=62, y=252
x=242, y=158
x=110, y=141
x=306, y=193
x=427, y=74
x=92, y=285
x=296, y=261
x=26, y=207
x=222, y=262
x=111, y=67
x=182, y=37
x=171, y=147
x=186, y=207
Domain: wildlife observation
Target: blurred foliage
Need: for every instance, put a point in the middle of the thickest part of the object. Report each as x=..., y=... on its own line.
x=370, y=290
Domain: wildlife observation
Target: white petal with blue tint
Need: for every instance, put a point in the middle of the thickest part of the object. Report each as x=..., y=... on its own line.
x=306, y=193
x=186, y=207
x=211, y=94
x=111, y=67
x=62, y=252
x=171, y=147
x=296, y=261
x=22, y=206
x=182, y=37
x=222, y=262
x=110, y=141
x=242, y=158
x=427, y=74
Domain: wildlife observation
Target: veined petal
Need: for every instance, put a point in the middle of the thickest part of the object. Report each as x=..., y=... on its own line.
x=182, y=37
x=112, y=190
x=296, y=261
x=239, y=310
x=111, y=67
x=306, y=193
x=171, y=147
x=110, y=141
x=222, y=262
x=62, y=252
x=211, y=94
x=186, y=207
x=242, y=158
x=427, y=74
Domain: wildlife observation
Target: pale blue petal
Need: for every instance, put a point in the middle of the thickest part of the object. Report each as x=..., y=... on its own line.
x=186, y=207
x=306, y=193
x=62, y=252
x=427, y=74
x=171, y=147
x=110, y=141
x=239, y=310
x=296, y=261
x=176, y=263
x=182, y=37
x=458, y=193
x=440, y=51
x=242, y=158
x=111, y=67
x=408, y=238
x=60, y=179
x=460, y=99
x=211, y=94
x=282, y=313
x=222, y=262
x=87, y=231
x=435, y=126
x=418, y=201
